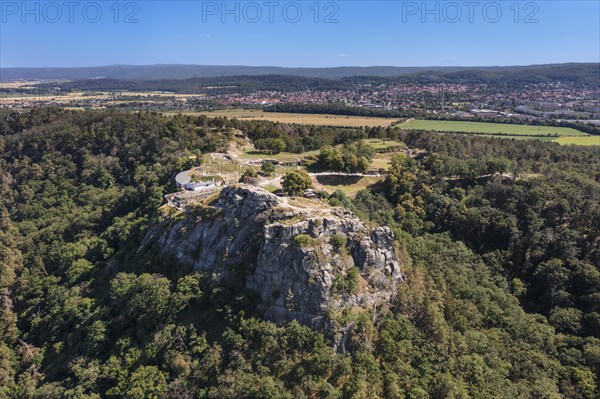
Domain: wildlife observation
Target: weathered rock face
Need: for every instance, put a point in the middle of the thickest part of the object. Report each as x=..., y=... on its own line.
x=285, y=244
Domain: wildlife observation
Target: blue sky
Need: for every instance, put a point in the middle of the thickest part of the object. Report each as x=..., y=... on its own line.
x=288, y=33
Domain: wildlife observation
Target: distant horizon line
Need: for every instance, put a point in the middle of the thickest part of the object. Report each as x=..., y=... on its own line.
x=301, y=67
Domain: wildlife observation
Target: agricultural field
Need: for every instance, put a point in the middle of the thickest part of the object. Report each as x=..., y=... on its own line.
x=585, y=140
x=301, y=119
x=72, y=97
x=490, y=128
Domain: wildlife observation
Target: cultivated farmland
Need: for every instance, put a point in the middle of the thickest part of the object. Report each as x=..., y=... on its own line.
x=301, y=119
x=585, y=140
x=490, y=128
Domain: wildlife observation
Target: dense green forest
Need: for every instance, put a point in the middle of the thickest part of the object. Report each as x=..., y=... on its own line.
x=577, y=74
x=499, y=241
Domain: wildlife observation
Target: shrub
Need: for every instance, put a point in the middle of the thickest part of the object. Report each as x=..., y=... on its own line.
x=205, y=213
x=267, y=168
x=338, y=241
x=248, y=174
x=347, y=283
x=304, y=240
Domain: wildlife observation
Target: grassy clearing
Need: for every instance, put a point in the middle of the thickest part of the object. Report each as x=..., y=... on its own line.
x=301, y=119
x=349, y=185
x=244, y=151
x=281, y=157
x=219, y=167
x=490, y=128
x=270, y=188
x=382, y=161
x=587, y=140
x=247, y=154
x=379, y=144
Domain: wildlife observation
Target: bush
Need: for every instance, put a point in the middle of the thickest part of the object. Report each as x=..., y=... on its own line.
x=347, y=283
x=304, y=240
x=267, y=168
x=338, y=241
x=206, y=213
x=248, y=174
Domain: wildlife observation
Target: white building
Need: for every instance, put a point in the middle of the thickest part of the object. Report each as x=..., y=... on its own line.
x=200, y=186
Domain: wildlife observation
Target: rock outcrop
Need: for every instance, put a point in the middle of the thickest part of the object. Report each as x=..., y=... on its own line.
x=302, y=257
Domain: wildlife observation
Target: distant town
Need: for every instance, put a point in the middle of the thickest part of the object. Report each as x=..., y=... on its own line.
x=554, y=96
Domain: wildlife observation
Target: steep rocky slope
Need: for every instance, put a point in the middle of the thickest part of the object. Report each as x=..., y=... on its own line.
x=302, y=257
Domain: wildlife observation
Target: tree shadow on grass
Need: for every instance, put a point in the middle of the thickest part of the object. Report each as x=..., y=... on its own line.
x=335, y=180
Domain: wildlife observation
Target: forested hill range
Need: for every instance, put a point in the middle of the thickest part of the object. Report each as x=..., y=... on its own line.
x=580, y=73
x=499, y=296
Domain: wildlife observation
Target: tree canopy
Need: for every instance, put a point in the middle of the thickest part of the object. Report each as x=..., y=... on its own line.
x=498, y=241
x=296, y=182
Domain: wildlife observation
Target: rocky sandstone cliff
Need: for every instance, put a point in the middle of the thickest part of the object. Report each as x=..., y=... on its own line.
x=302, y=257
